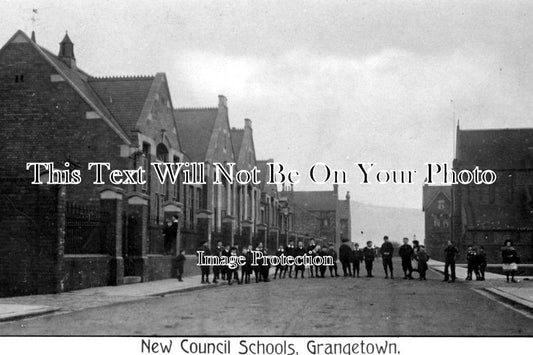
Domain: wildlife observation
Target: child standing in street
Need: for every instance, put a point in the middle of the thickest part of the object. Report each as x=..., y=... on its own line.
x=369, y=255
x=423, y=258
x=180, y=260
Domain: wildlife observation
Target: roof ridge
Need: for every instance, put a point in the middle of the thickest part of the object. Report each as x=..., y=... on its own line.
x=195, y=108
x=121, y=77
x=496, y=129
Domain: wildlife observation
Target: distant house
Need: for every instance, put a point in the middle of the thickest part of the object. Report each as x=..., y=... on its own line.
x=249, y=195
x=210, y=209
x=489, y=214
x=333, y=214
x=437, y=208
x=269, y=219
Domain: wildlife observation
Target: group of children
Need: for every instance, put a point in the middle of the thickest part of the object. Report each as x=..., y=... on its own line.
x=350, y=256
x=476, y=259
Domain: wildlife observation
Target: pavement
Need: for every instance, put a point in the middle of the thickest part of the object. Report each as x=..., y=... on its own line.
x=520, y=293
x=14, y=308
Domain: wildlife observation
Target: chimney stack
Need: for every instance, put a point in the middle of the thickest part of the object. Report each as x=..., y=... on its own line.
x=247, y=123
x=222, y=101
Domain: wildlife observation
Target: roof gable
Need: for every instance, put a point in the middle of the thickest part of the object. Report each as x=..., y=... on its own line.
x=431, y=192
x=243, y=144
x=195, y=128
x=77, y=79
x=269, y=189
x=124, y=97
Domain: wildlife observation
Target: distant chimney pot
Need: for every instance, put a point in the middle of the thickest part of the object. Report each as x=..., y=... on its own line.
x=248, y=123
x=222, y=101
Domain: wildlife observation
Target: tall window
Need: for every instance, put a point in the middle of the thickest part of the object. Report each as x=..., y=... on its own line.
x=162, y=157
x=440, y=204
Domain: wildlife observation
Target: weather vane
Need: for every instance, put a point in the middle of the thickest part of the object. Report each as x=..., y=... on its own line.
x=34, y=18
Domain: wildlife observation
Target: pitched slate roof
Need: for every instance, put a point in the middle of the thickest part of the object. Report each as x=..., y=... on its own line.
x=237, y=136
x=78, y=81
x=125, y=97
x=314, y=200
x=270, y=189
x=497, y=149
x=195, y=128
x=430, y=192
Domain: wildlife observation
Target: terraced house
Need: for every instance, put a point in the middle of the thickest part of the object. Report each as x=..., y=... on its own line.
x=60, y=237
x=84, y=235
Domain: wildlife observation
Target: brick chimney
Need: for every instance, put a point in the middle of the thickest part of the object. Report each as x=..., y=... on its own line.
x=222, y=101
x=66, y=51
x=247, y=123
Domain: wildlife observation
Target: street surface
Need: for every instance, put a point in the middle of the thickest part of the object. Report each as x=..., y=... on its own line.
x=330, y=306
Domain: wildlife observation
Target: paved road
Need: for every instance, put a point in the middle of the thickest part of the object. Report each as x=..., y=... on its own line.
x=331, y=306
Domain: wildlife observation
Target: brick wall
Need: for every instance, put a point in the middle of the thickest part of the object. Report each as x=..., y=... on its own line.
x=45, y=121
x=30, y=238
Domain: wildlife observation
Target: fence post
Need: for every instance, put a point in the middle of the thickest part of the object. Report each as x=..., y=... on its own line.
x=111, y=215
x=138, y=233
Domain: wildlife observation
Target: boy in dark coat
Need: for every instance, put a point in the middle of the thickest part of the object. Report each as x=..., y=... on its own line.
x=290, y=251
x=257, y=268
x=369, y=255
x=205, y=269
x=265, y=268
x=279, y=253
x=450, y=254
x=423, y=258
x=331, y=252
x=216, y=268
x=322, y=253
x=357, y=259
x=246, y=270
x=300, y=251
x=233, y=273
x=180, y=262
x=386, y=251
x=406, y=253
x=471, y=260
x=344, y=256
x=225, y=269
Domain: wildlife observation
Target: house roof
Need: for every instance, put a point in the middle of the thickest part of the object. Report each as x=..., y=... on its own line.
x=314, y=200
x=270, y=189
x=497, y=149
x=430, y=193
x=125, y=97
x=78, y=81
x=237, y=136
x=195, y=128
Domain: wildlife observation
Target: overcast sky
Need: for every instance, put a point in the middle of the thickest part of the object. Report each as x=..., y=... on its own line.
x=332, y=81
